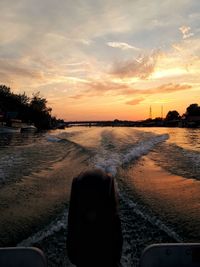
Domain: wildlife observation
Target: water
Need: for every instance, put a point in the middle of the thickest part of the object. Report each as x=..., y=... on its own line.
x=157, y=172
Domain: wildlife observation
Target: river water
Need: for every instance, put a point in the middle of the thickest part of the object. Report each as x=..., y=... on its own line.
x=157, y=172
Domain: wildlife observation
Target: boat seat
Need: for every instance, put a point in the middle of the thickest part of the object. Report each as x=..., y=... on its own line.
x=22, y=257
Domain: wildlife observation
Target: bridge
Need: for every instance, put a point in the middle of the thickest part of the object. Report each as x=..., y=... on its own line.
x=101, y=123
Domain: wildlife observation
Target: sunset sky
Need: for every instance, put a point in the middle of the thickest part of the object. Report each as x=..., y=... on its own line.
x=103, y=59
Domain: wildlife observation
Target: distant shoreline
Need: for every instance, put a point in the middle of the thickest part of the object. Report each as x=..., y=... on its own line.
x=129, y=124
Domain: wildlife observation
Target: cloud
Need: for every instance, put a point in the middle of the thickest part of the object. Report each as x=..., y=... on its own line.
x=162, y=89
x=106, y=86
x=77, y=97
x=86, y=41
x=98, y=88
x=170, y=88
x=74, y=64
x=58, y=40
x=15, y=68
x=135, y=101
x=141, y=67
x=185, y=30
x=123, y=46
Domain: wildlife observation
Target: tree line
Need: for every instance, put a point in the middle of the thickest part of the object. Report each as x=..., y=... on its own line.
x=191, y=118
x=27, y=109
x=35, y=110
x=192, y=110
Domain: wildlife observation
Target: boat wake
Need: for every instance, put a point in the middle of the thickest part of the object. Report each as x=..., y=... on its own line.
x=110, y=161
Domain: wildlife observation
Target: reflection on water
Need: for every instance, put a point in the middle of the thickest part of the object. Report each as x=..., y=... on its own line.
x=36, y=188
x=92, y=137
x=192, y=136
x=19, y=139
x=184, y=137
x=175, y=199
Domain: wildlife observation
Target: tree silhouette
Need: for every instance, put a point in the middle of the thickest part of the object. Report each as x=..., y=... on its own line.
x=193, y=110
x=39, y=113
x=39, y=103
x=33, y=109
x=172, y=115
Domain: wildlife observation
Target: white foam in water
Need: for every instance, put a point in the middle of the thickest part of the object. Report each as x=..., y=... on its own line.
x=53, y=138
x=193, y=156
x=108, y=165
x=7, y=163
x=144, y=147
x=152, y=219
x=53, y=227
x=109, y=162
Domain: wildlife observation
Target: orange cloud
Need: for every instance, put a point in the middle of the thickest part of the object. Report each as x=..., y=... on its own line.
x=135, y=101
x=164, y=88
x=97, y=88
x=170, y=87
x=76, y=97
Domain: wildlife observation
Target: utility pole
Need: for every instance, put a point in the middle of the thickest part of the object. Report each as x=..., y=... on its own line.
x=162, y=111
x=150, y=113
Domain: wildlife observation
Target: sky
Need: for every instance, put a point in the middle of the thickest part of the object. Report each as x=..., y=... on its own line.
x=103, y=59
